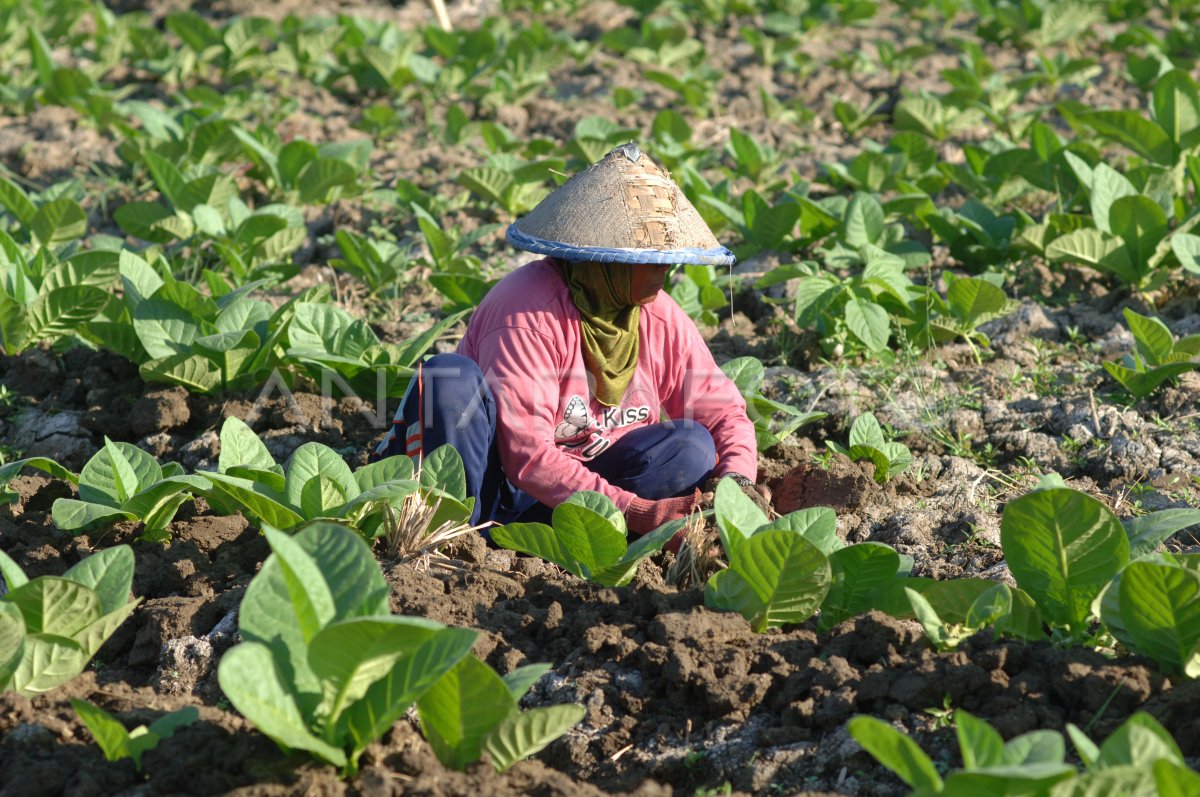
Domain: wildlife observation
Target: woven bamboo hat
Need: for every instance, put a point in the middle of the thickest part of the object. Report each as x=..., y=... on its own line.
x=624, y=209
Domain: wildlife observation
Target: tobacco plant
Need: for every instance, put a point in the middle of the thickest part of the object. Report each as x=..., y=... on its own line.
x=51, y=626
x=587, y=538
x=748, y=374
x=118, y=743
x=868, y=442
x=1157, y=357
x=324, y=666
x=123, y=482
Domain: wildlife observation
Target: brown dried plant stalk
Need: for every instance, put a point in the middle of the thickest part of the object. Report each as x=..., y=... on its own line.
x=408, y=533
x=699, y=556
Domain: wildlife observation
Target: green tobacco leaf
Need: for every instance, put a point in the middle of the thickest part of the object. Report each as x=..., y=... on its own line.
x=737, y=516
x=58, y=221
x=461, y=709
x=522, y=679
x=857, y=572
x=11, y=470
x=1062, y=546
x=109, y=572
x=322, y=175
x=1134, y=131
x=443, y=469
x=817, y=524
x=521, y=735
x=537, y=539
x=56, y=606
x=390, y=697
x=592, y=531
x=310, y=461
x=1142, y=224
x=897, y=752
x=1174, y=780
x=351, y=576
x=1096, y=249
x=864, y=220
x=115, y=472
x=1147, y=532
x=1142, y=383
x=71, y=515
x=194, y=371
x=110, y=735
x=975, y=301
x=164, y=327
x=13, y=575
x=252, y=681
x=395, y=468
x=48, y=661
x=310, y=595
x=257, y=499
x=866, y=431
x=980, y=744
x=789, y=575
x=645, y=546
x=60, y=311
x=1107, y=186
x=1160, y=610
x=12, y=641
x=1139, y=742
x=745, y=372
x=16, y=201
x=1176, y=105
x=241, y=446
x=351, y=655
x=869, y=322
x=1154, y=339
x=1187, y=249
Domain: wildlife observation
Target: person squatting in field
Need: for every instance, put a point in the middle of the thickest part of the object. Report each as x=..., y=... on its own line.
x=572, y=361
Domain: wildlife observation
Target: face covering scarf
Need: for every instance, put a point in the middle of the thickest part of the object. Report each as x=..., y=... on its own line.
x=609, y=321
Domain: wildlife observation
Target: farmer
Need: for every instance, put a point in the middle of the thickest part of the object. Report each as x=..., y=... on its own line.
x=572, y=362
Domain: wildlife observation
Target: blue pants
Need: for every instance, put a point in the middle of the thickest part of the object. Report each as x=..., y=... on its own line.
x=452, y=405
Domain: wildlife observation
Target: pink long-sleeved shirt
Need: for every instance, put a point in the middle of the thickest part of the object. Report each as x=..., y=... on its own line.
x=525, y=336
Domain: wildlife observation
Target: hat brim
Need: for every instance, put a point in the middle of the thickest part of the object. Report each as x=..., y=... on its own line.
x=717, y=256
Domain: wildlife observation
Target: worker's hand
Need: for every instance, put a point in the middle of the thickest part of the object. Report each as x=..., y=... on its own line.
x=760, y=494
x=644, y=515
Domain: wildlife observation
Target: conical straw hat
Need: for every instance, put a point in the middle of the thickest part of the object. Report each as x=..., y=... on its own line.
x=624, y=209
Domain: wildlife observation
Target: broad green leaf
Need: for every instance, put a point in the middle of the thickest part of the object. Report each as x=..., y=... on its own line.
x=1096, y=249
x=12, y=641
x=1062, y=546
x=1141, y=224
x=745, y=372
x=315, y=459
x=11, y=470
x=1174, y=780
x=13, y=575
x=321, y=496
x=350, y=655
x=897, y=752
x=461, y=709
x=1147, y=532
x=443, y=469
x=1154, y=340
x=1142, y=383
x=241, y=446
x=109, y=572
x=311, y=597
x=1176, y=105
x=1035, y=747
x=253, y=682
x=194, y=371
x=322, y=175
x=931, y=622
x=645, y=546
x=817, y=524
x=980, y=744
x=537, y=539
x=866, y=431
x=98, y=482
x=58, y=221
x=864, y=220
x=1108, y=185
x=164, y=327
x=737, y=516
x=55, y=606
x=857, y=572
x=869, y=322
x=1187, y=249
x=1134, y=131
x=47, y=662
x=259, y=500
x=110, y=735
x=1160, y=611
x=1139, y=742
x=787, y=572
x=975, y=300
x=61, y=310
x=519, y=736
x=522, y=679
x=397, y=468
x=71, y=515
x=589, y=533
x=16, y=201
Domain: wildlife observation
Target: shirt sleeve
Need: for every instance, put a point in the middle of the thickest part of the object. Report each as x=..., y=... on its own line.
x=522, y=368
x=695, y=387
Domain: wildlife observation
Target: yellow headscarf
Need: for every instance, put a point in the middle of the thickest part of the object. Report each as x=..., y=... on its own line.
x=609, y=321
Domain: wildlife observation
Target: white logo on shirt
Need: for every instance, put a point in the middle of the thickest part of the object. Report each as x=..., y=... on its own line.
x=581, y=433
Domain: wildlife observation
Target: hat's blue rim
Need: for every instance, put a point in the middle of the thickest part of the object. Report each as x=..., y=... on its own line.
x=719, y=256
